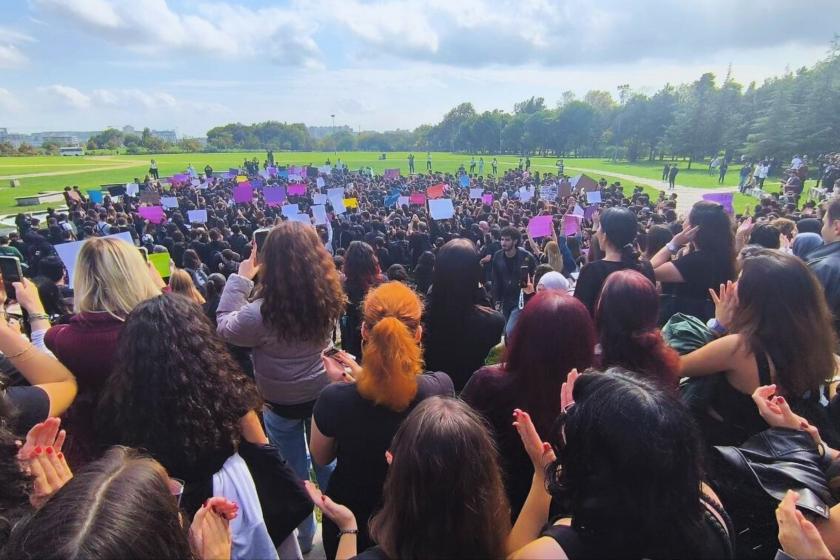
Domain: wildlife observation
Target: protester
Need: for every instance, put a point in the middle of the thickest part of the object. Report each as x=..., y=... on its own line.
x=460, y=326
x=554, y=334
x=507, y=268
x=361, y=273
x=354, y=421
x=825, y=261
x=180, y=282
x=298, y=300
x=427, y=475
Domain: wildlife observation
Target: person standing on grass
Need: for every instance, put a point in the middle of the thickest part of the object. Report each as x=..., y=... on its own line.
x=411, y=164
x=153, y=170
x=527, y=163
x=665, y=171
x=429, y=161
x=745, y=173
x=560, y=167
x=481, y=166
x=672, y=176
x=495, y=166
x=724, y=167
x=472, y=165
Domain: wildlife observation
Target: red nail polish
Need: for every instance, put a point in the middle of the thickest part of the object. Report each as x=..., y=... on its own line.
x=49, y=450
x=60, y=455
x=37, y=451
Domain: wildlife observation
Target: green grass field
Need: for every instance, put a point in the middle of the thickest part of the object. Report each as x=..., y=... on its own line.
x=89, y=172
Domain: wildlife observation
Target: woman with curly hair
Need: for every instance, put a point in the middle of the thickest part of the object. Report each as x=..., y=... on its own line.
x=177, y=393
x=361, y=273
x=626, y=317
x=355, y=422
x=288, y=323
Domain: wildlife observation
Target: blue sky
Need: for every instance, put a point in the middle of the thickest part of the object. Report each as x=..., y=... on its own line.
x=375, y=64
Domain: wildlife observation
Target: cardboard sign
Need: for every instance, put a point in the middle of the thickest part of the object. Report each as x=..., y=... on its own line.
x=417, y=198
x=131, y=189
x=319, y=198
x=298, y=189
x=197, y=216
x=243, y=193
x=403, y=201
x=154, y=214
x=290, y=210
x=161, y=263
x=319, y=213
x=392, y=174
x=274, y=196
x=593, y=197
x=476, y=194
x=69, y=253
x=169, y=201
x=241, y=178
x=335, y=191
x=338, y=204
x=320, y=182
x=540, y=226
x=441, y=209
x=96, y=197
x=351, y=202
x=435, y=191
x=147, y=197
x=724, y=199
x=571, y=224
x=487, y=199
x=464, y=181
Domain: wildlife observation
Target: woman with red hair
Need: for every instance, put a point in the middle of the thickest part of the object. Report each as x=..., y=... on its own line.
x=553, y=335
x=626, y=317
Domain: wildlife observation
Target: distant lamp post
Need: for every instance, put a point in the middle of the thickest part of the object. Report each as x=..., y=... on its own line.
x=335, y=142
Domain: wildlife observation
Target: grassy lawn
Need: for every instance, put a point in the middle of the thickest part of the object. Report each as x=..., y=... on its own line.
x=90, y=172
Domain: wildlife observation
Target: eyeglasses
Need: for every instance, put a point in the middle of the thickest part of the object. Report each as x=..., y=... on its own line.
x=176, y=489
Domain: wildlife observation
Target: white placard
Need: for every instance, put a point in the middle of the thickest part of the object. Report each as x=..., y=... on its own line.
x=441, y=208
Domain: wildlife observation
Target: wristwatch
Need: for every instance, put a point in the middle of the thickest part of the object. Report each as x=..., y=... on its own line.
x=716, y=327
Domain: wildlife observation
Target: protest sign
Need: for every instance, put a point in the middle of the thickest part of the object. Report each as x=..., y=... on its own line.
x=540, y=226
x=476, y=194
x=571, y=224
x=241, y=178
x=197, y=216
x=487, y=199
x=335, y=191
x=131, y=189
x=577, y=210
x=319, y=212
x=338, y=204
x=435, y=191
x=464, y=181
x=320, y=182
x=441, y=209
x=593, y=197
x=161, y=263
x=95, y=197
x=297, y=189
x=169, y=201
x=589, y=212
x=69, y=252
x=548, y=192
x=290, y=210
x=525, y=194
x=391, y=200
x=283, y=173
x=403, y=201
x=325, y=169
x=724, y=199
x=417, y=198
x=274, y=196
x=302, y=218
x=351, y=202
x=154, y=214
x=243, y=193
x=392, y=174
x=147, y=197
x=319, y=198
x=565, y=188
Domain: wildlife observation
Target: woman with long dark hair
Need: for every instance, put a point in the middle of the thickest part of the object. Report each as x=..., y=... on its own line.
x=361, y=273
x=709, y=262
x=776, y=328
x=424, y=272
x=627, y=472
x=354, y=423
x=460, y=327
x=434, y=503
x=288, y=324
x=626, y=317
x=617, y=238
x=554, y=334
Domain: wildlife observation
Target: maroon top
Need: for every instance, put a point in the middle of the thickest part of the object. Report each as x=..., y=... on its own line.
x=86, y=346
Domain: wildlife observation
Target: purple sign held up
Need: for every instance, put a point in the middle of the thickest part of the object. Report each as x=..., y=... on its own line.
x=243, y=193
x=274, y=196
x=540, y=226
x=724, y=199
x=298, y=189
x=487, y=198
x=589, y=211
x=571, y=224
x=154, y=214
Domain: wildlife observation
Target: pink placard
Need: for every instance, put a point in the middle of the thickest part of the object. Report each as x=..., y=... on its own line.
x=154, y=214
x=243, y=193
x=297, y=189
x=540, y=226
x=487, y=198
x=571, y=224
x=417, y=198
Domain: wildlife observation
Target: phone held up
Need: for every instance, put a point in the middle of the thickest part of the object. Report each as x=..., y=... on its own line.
x=11, y=271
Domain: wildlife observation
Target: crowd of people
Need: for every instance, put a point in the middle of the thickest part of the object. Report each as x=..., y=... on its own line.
x=630, y=383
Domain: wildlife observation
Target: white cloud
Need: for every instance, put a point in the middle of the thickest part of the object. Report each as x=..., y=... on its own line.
x=68, y=96
x=9, y=102
x=11, y=57
x=216, y=29
x=132, y=98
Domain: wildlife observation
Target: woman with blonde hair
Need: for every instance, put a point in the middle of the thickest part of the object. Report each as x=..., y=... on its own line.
x=288, y=322
x=355, y=421
x=109, y=280
x=180, y=282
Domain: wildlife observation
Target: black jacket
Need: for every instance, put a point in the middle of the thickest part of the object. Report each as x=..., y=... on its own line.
x=825, y=262
x=506, y=279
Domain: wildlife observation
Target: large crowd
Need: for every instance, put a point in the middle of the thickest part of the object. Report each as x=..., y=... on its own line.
x=448, y=365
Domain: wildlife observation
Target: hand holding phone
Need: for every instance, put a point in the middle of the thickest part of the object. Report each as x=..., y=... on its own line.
x=11, y=272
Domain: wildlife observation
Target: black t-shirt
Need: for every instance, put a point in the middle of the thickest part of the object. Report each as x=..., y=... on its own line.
x=593, y=275
x=461, y=351
x=31, y=404
x=363, y=432
x=701, y=271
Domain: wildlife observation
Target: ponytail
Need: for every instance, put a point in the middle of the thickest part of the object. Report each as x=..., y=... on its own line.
x=630, y=256
x=393, y=359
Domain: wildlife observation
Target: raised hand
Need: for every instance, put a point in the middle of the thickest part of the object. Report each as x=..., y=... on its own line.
x=44, y=434
x=539, y=451
x=249, y=267
x=567, y=390
x=726, y=302
x=210, y=536
x=50, y=473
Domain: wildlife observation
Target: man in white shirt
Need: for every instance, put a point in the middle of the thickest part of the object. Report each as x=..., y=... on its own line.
x=796, y=162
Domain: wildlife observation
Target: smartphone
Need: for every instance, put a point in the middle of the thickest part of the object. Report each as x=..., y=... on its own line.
x=11, y=272
x=259, y=238
x=144, y=253
x=523, y=276
x=333, y=351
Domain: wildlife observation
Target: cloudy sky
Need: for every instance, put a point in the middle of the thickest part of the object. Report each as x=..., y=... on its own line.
x=375, y=64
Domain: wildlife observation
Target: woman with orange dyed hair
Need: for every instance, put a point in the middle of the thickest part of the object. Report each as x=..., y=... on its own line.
x=354, y=422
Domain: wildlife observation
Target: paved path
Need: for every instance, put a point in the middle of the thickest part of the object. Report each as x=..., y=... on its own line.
x=119, y=164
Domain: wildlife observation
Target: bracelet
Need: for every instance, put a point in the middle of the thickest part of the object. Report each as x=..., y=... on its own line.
x=38, y=317
x=21, y=353
x=342, y=532
x=671, y=247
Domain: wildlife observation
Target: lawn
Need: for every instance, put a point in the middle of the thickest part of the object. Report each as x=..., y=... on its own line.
x=90, y=172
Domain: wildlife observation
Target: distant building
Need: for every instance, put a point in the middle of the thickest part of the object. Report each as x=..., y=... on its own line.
x=62, y=141
x=128, y=129
x=3, y=134
x=167, y=135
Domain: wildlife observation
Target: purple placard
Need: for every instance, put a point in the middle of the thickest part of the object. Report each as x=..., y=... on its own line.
x=298, y=189
x=154, y=214
x=487, y=198
x=724, y=199
x=571, y=224
x=589, y=211
x=274, y=196
x=243, y=193
x=540, y=226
